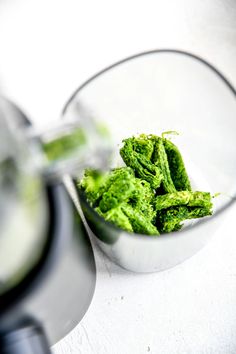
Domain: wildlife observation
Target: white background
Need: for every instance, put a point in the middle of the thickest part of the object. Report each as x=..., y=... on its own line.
x=48, y=48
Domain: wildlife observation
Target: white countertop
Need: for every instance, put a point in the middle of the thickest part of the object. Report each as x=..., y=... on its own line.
x=187, y=309
x=50, y=47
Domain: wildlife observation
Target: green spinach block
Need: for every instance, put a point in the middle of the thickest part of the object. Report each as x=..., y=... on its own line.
x=152, y=194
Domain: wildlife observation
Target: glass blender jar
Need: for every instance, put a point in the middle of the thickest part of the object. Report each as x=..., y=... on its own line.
x=154, y=92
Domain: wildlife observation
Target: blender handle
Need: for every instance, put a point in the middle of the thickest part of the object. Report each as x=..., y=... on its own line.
x=21, y=338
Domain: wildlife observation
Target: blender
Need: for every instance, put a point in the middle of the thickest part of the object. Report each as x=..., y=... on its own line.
x=47, y=268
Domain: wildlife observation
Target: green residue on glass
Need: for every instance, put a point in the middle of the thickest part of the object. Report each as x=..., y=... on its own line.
x=151, y=194
x=169, y=132
x=216, y=195
x=65, y=145
x=102, y=130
